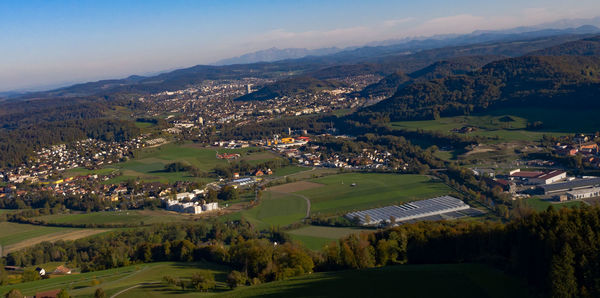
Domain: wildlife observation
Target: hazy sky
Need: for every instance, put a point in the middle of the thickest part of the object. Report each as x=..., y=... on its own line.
x=44, y=43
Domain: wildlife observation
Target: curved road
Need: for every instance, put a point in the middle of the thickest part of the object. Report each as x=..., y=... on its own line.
x=307, y=203
x=133, y=287
x=300, y=196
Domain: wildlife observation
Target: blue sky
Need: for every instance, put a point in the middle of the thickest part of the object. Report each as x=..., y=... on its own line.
x=46, y=43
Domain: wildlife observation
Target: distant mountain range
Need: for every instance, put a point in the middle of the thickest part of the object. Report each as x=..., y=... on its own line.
x=275, y=54
x=579, y=26
x=406, y=57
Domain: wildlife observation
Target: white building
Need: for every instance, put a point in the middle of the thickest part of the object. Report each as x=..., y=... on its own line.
x=583, y=193
x=550, y=177
x=185, y=195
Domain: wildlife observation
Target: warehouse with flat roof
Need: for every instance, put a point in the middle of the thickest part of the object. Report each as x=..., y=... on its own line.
x=554, y=188
x=409, y=211
x=583, y=193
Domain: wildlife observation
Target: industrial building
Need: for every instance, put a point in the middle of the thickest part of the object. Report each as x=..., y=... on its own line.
x=583, y=193
x=555, y=188
x=537, y=177
x=409, y=211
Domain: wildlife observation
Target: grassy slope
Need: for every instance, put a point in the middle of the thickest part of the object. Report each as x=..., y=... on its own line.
x=115, y=280
x=150, y=163
x=11, y=233
x=371, y=190
x=487, y=126
x=116, y=217
x=448, y=280
x=453, y=280
x=276, y=210
x=540, y=205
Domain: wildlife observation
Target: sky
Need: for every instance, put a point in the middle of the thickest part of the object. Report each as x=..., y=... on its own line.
x=47, y=43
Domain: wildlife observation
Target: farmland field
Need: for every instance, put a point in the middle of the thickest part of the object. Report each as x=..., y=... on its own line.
x=337, y=195
x=448, y=280
x=314, y=237
x=116, y=217
x=145, y=280
x=276, y=209
x=149, y=164
x=289, y=170
x=113, y=281
x=504, y=127
x=15, y=236
x=540, y=205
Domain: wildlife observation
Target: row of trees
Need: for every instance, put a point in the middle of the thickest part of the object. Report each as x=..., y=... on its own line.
x=555, y=251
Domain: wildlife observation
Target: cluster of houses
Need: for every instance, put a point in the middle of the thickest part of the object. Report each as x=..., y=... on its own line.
x=213, y=102
x=582, y=145
x=367, y=159
x=58, y=158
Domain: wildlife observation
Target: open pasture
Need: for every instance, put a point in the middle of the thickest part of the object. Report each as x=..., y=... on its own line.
x=358, y=191
x=147, y=278
x=295, y=186
x=446, y=280
x=276, y=209
x=117, y=217
x=539, y=204
x=149, y=164
x=499, y=127
x=15, y=236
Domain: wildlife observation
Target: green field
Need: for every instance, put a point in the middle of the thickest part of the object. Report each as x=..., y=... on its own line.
x=289, y=170
x=12, y=233
x=276, y=210
x=145, y=280
x=314, y=237
x=448, y=280
x=116, y=217
x=115, y=280
x=337, y=195
x=149, y=163
x=334, y=194
x=540, y=205
x=490, y=126
x=84, y=171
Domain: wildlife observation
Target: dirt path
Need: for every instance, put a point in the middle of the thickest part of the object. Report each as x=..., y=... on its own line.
x=125, y=290
x=307, y=204
x=52, y=238
x=300, y=196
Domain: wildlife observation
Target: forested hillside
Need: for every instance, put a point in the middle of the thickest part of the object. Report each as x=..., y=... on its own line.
x=529, y=80
x=27, y=126
x=461, y=65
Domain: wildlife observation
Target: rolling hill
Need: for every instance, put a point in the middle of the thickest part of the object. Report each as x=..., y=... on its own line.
x=559, y=81
x=407, y=57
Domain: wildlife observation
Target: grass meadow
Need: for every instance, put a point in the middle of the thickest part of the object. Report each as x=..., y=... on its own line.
x=446, y=280
x=149, y=163
x=337, y=195
x=116, y=217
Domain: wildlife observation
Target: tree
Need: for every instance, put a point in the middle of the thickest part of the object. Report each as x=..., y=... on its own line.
x=228, y=193
x=235, y=279
x=562, y=274
x=30, y=275
x=63, y=294
x=99, y=293
x=203, y=280
x=14, y=293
